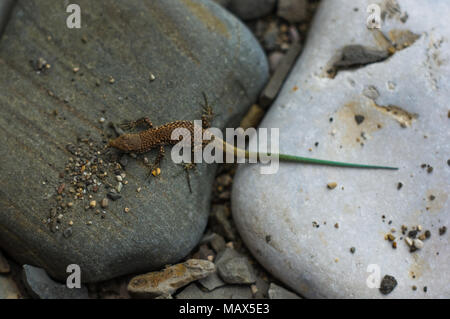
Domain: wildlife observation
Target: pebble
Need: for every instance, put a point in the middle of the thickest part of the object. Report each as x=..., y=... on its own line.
x=270, y=37
x=92, y=204
x=119, y=187
x=388, y=284
x=170, y=279
x=220, y=222
x=409, y=241
x=275, y=59
x=332, y=185
x=114, y=196
x=275, y=83
x=292, y=10
x=234, y=269
x=212, y=282
x=204, y=253
x=418, y=243
x=251, y=9
x=217, y=243
x=104, y=203
x=126, y=209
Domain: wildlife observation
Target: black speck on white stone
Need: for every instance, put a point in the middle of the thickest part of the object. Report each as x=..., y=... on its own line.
x=359, y=119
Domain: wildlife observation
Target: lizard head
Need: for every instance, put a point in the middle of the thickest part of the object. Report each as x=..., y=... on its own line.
x=126, y=143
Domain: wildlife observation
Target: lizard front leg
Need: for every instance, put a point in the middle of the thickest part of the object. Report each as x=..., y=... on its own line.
x=132, y=124
x=154, y=169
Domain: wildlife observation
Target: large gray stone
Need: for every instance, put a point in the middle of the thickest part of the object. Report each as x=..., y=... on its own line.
x=303, y=232
x=234, y=268
x=190, y=46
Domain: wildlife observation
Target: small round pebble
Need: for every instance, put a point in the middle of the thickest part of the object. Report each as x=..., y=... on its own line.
x=418, y=243
x=332, y=185
x=104, y=203
x=388, y=283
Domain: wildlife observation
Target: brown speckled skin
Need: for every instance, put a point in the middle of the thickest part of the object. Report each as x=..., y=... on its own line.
x=144, y=141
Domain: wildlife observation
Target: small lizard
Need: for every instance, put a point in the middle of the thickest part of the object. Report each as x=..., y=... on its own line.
x=158, y=137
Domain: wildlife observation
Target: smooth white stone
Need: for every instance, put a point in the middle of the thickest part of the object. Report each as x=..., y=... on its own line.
x=316, y=262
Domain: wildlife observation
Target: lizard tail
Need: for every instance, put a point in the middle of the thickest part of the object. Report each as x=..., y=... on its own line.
x=292, y=158
x=298, y=159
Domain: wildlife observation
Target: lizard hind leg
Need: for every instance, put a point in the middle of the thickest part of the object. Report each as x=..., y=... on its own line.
x=187, y=167
x=207, y=115
x=154, y=169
